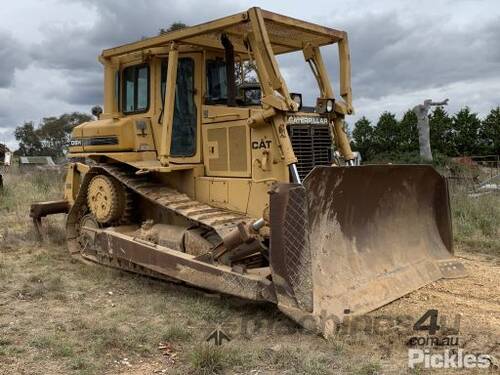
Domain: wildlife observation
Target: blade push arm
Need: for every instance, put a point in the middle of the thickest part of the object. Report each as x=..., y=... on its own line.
x=275, y=96
x=313, y=57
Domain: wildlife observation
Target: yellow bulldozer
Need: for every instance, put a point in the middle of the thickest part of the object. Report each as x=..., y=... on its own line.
x=190, y=173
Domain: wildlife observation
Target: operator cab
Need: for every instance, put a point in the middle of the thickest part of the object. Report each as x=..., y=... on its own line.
x=217, y=100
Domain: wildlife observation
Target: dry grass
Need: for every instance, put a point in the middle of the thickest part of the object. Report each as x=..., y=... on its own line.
x=476, y=222
x=66, y=317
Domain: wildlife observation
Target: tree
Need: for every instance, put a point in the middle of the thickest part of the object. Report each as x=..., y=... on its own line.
x=363, y=138
x=489, y=133
x=50, y=137
x=246, y=72
x=466, y=132
x=441, y=128
x=408, y=133
x=29, y=141
x=173, y=27
x=386, y=134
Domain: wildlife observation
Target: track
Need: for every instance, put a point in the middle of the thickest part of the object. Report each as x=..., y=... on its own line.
x=201, y=214
x=220, y=220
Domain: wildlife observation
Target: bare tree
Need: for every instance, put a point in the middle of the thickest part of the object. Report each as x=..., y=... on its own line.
x=422, y=112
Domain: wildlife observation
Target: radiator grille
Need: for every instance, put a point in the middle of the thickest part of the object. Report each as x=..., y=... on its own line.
x=312, y=146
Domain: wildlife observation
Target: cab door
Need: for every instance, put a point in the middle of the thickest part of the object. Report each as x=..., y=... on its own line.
x=186, y=126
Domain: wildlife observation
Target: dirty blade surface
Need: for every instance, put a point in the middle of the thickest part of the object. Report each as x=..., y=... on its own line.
x=376, y=233
x=353, y=239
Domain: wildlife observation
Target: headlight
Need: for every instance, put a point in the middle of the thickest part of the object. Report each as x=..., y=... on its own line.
x=325, y=105
x=329, y=105
x=297, y=98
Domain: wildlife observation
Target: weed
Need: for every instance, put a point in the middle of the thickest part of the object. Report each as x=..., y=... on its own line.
x=5, y=342
x=372, y=368
x=5, y=271
x=85, y=365
x=208, y=359
x=62, y=349
x=55, y=284
x=207, y=309
x=41, y=342
x=105, y=338
x=337, y=344
x=176, y=333
x=477, y=221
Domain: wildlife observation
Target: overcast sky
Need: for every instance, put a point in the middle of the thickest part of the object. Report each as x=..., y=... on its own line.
x=402, y=51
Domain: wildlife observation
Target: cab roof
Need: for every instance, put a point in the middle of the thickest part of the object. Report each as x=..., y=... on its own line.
x=286, y=34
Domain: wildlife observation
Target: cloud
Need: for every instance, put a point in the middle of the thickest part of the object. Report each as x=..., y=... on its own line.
x=398, y=61
x=82, y=89
x=116, y=23
x=391, y=55
x=12, y=57
x=484, y=97
x=401, y=53
x=75, y=48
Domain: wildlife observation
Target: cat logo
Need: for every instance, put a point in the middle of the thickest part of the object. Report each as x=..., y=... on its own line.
x=257, y=145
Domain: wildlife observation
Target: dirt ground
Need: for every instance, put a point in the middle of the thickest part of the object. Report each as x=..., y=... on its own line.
x=60, y=316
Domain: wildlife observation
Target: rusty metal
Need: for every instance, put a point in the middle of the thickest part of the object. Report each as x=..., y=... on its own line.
x=374, y=234
x=39, y=210
x=177, y=265
x=290, y=255
x=241, y=242
x=144, y=256
x=347, y=241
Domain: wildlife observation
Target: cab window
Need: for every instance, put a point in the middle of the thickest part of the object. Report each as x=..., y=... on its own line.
x=135, y=97
x=216, y=82
x=184, y=121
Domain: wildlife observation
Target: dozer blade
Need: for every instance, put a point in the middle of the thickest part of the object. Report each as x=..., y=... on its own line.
x=352, y=239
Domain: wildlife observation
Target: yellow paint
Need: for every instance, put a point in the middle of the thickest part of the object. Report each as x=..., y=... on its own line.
x=240, y=151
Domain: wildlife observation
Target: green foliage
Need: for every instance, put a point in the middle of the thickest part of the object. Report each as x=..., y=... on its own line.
x=176, y=333
x=208, y=359
x=29, y=141
x=441, y=129
x=173, y=27
x=393, y=140
x=363, y=137
x=466, y=132
x=476, y=222
x=386, y=133
x=489, y=133
x=369, y=369
x=408, y=133
x=50, y=137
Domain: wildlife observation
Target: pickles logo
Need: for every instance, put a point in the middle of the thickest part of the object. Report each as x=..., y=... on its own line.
x=425, y=349
x=448, y=359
